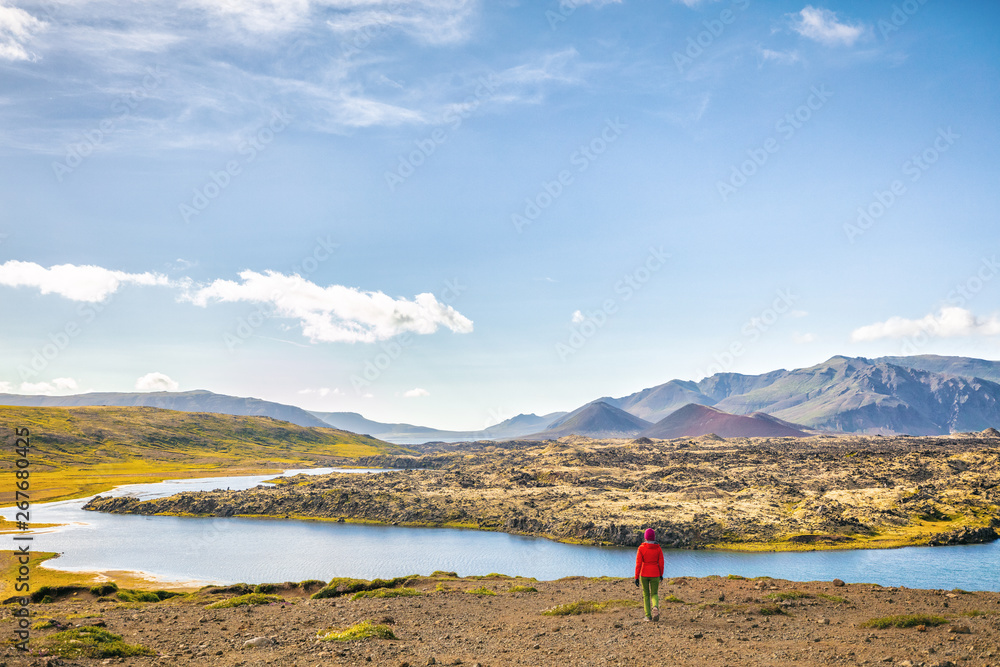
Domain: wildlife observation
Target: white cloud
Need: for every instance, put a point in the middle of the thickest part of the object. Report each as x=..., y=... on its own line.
x=79, y=283
x=949, y=322
x=823, y=26
x=783, y=57
x=321, y=392
x=335, y=313
x=578, y=317
x=428, y=21
x=58, y=385
x=156, y=382
x=5, y=388
x=803, y=338
x=416, y=393
x=16, y=29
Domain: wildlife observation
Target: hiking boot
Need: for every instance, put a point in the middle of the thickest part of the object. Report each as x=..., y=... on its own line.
x=656, y=613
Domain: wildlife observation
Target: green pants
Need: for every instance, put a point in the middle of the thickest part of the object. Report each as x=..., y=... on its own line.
x=650, y=594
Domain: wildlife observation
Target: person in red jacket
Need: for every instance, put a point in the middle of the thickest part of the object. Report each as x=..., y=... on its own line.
x=649, y=570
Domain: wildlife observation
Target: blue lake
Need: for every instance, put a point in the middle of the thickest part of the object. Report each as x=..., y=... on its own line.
x=255, y=551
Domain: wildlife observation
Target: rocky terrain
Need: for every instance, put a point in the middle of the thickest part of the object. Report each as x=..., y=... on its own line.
x=496, y=620
x=758, y=493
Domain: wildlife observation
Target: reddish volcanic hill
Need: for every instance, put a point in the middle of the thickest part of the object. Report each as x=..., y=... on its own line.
x=693, y=420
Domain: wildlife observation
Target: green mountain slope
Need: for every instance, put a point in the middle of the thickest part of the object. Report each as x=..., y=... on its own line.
x=77, y=450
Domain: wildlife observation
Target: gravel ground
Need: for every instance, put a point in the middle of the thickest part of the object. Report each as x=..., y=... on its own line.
x=713, y=621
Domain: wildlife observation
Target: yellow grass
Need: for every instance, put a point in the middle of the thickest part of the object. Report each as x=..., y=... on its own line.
x=76, y=452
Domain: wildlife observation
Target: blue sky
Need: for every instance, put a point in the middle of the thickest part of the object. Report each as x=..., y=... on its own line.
x=448, y=212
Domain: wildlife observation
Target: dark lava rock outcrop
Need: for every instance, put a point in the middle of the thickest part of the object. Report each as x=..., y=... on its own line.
x=780, y=493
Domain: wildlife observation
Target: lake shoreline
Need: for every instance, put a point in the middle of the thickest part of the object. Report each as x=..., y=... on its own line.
x=759, y=494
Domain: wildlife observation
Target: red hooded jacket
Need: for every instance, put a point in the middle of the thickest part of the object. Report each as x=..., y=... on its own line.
x=649, y=560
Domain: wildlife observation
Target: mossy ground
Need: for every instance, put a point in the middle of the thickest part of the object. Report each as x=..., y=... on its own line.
x=904, y=621
x=248, y=600
x=588, y=607
x=357, y=632
x=77, y=452
x=90, y=642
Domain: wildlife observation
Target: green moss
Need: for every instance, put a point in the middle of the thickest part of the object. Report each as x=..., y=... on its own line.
x=43, y=624
x=126, y=595
x=972, y=613
x=482, y=590
x=671, y=598
x=771, y=610
x=735, y=576
x=387, y=593
x=90, y=642
x=904, y=621
x=788, y=595
x=347, y=586
x=47, y=594
x=523, y=589
x=442, y=573
x=363, y=630
x=103, y=589
x=587, y=607
x=247, y=600
x=831, y=598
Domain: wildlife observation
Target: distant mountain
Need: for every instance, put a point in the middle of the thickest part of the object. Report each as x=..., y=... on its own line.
x=865, y=396
x=921, y=395
x=595, y=420
x=963, y=366
x=186, y=401
x=693, y=420
x=657, y=402
x=401, y=433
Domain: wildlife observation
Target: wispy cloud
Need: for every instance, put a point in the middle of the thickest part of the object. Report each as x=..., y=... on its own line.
x=228, y=65
x=822, y=25
x=76, y=282
x=16, y=29
x=781, y=57
x=322, y=392
x=416, y=392
x=335, y=313
x=949, y=322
